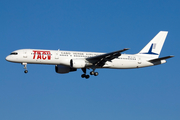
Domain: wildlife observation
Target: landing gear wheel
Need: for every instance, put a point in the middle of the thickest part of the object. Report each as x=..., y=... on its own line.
x=87, y=76
x=96, y=74
x=83, y=75
x=92, y=73
x=26, y=71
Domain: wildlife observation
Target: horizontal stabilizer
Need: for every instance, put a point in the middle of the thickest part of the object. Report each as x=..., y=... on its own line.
x=162, y=58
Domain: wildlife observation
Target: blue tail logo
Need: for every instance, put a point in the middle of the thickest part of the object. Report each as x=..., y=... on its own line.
x=153, y=46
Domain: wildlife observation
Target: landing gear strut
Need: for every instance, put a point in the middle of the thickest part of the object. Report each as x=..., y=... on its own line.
x=25, y=67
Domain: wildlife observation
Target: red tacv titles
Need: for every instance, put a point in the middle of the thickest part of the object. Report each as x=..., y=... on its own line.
x=42, y=55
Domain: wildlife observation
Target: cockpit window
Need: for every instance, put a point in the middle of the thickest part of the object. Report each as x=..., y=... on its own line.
x=14, y=53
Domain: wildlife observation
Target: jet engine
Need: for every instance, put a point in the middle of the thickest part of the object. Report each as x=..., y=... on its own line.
x=79, y=63
x=64, y=69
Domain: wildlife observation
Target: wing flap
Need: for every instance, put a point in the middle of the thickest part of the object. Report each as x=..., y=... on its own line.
x=100, y=60
x=115, y=53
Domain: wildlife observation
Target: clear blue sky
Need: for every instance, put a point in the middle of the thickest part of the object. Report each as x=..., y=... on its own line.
x=151, y=93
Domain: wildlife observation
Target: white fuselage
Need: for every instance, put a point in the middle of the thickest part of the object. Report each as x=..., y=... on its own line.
x=69, y=61
x=58, y=57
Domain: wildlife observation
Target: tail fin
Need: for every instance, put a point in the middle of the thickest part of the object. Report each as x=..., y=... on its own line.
x=153, y=48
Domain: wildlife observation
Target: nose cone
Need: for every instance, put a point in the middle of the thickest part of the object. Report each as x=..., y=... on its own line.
x=8, y=58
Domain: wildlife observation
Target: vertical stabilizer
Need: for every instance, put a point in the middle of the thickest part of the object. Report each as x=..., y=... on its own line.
x=153, y=48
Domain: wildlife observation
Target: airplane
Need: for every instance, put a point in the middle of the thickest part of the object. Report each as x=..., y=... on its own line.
x=69, y=61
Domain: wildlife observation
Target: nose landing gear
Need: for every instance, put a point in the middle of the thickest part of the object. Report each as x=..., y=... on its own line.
x=25, y=67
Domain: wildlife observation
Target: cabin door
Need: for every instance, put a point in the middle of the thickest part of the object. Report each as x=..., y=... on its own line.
x=139, y=61
x=24, y=53
x=57, y=55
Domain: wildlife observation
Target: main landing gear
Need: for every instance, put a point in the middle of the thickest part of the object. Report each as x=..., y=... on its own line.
x=84, y=75
x=25, y=67
x=91, y=73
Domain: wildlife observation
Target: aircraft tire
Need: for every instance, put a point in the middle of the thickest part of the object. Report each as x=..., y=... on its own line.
x=92, y=73
x=83, y=75
x=26, y=71
x=87, y=76
x=96, y=74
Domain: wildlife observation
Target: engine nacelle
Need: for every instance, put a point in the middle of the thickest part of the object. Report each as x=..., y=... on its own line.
x=64, y=69
x=78, y=63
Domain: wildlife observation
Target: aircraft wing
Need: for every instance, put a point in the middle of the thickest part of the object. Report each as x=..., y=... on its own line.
x=100, y=60
x=162, y=58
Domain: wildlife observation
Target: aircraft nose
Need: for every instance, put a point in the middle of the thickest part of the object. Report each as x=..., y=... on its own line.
x=8, y=58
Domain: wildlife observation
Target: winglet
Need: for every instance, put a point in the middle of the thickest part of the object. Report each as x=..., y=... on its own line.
x=124, y=49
